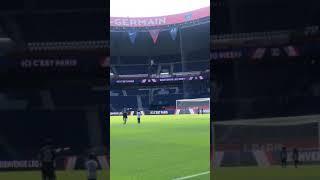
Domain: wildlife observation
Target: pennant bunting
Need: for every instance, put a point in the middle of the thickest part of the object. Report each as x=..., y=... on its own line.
x=132, y=36
x=258, y=53
x=188, y=17
x=105, y=62
x=291, y=51
x=154, y=34
x=173, y=33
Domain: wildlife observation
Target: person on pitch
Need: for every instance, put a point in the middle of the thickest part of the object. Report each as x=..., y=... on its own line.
x=295, y=157
x=139, y=116
x=47, y=158
x=125, y=116
x=283, y=157
x=91, y=166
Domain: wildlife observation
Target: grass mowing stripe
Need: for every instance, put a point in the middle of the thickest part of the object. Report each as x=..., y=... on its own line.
x=192, y=176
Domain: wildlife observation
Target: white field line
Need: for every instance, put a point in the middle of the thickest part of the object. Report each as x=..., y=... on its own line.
x=192, y=176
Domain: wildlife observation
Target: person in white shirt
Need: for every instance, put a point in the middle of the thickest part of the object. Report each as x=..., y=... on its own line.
x=91, y=166
x=138, y=116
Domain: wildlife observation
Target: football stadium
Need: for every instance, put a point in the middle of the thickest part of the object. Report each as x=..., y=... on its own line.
x=53, y=88
x=159, y=73
x=265, y=85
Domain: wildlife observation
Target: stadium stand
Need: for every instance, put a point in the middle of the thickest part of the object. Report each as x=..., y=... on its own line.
x=149, y=98
x=53, y=81
x=167, y=59
x=264, y=81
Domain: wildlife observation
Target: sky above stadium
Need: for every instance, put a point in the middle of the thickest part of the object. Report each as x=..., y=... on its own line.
x=153, y=8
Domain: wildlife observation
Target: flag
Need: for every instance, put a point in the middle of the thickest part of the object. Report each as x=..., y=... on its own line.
x=291, y=51
x=132, y=36
x=173, y=33
x=154, y=34
x=188, y=17
x=105, y=62
x=258, y=53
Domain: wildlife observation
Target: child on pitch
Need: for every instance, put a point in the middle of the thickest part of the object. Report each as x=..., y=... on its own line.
x=91, y=166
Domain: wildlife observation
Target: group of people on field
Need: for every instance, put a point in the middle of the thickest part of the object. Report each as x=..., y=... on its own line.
x=125, y=116
x=47, y=158
x=284, y=157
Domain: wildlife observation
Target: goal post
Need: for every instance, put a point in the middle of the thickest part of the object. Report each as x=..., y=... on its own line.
x=193, y=106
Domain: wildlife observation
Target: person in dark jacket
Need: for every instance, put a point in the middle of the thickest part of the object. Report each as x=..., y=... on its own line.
x=283, y=157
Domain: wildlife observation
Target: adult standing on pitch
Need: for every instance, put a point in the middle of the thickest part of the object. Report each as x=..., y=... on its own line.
x=283, y=157
x=47, y=158
x=138, y=116
x=91, y=166
x=125, y=116
x=295, y=157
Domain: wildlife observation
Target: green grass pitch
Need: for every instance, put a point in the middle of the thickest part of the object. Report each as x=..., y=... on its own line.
x=162, y=147
x=270, y=173
x=61, y=175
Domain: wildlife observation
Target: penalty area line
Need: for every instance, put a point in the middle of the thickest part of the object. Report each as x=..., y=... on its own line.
x=192, y=176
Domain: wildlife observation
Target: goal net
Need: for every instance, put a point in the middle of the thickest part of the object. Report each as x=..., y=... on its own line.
x=193, y=106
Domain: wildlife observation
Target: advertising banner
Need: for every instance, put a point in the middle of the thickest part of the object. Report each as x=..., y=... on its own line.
x=263, y=158
x=43, y=65
x=245, y=145
x=160, y=21
x=306, y=156
x=289, y=50
x=256, y=53
x=146, y=112
x=147, y=81
x=65, y=163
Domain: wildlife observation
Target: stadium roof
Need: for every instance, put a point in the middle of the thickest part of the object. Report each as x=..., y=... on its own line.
x=39, y=21
x=153, y=8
